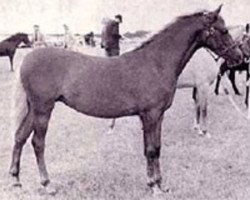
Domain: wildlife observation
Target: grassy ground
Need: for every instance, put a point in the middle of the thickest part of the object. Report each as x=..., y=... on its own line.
x=85, y=162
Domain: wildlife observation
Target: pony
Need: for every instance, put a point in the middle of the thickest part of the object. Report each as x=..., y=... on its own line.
x=9, y=45
x=138, y=83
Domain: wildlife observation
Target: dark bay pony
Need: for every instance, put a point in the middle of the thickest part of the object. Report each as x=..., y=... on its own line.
x=9, y=45
x=244, y=66
x=141, y=82
x=244, y=41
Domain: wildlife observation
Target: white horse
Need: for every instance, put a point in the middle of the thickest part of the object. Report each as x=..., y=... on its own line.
x=200, y=73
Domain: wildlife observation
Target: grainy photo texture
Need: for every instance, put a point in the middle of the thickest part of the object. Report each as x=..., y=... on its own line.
x=124, y=100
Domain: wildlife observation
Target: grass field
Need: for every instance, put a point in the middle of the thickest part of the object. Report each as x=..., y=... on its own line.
x=85, y=162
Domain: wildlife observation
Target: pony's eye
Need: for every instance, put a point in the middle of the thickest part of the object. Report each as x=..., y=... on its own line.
x=224, y=31
x=212, y=31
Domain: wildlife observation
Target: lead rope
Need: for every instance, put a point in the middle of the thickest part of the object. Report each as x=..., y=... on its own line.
x=231, y=100
x=213, y=56
x=226, y=91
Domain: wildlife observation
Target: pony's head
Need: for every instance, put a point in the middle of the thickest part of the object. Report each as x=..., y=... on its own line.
x=24, y=38
x=215, y=36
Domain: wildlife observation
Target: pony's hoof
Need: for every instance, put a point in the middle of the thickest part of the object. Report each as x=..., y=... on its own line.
x=196, y=126
x=45, y=182
x=51, y=190
x=204, y=133
x=48, y=190
x=15, y=182
x=110, y=131
x=17, y=185
x=158, y=192
x=208, y=135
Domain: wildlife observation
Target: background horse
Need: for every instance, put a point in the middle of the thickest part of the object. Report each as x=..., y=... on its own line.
x=243, y=35
x=9, y=45
x=145, y=83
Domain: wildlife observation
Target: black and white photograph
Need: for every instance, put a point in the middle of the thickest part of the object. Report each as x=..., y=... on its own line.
x=124, y=100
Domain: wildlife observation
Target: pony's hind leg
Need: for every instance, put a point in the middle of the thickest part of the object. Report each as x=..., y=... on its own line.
x=38, y=141
x=112, y=125
x=21, y=137
x=197, y=110
x=202, y=98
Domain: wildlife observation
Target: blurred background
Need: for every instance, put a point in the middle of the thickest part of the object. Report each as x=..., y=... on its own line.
x=85, y=15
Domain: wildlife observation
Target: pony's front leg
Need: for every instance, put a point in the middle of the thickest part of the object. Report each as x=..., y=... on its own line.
x=247, y=88
x=203, y=98
x=197, y=109
x=151, y=122
x=11, y=62
x=231, y=77
x=217, y=85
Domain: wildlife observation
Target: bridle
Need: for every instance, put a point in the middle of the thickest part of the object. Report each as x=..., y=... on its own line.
x=216, y=58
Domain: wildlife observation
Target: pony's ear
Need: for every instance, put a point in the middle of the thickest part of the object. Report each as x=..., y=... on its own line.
x=212, y=16
x=217, y=11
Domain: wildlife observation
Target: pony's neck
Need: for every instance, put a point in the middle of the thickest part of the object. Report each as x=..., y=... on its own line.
x=17, y=42
x=175, y=45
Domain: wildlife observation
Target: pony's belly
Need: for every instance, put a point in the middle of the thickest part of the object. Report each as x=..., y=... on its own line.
x=102, y=107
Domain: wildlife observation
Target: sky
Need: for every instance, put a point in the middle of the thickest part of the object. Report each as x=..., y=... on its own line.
x=86, y=15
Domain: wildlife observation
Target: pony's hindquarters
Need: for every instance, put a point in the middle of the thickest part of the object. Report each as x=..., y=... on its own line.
x=19, y=108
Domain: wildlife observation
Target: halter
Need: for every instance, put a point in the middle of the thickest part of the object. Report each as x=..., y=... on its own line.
x=227, y=49
x=211, y=32
x=216, y=58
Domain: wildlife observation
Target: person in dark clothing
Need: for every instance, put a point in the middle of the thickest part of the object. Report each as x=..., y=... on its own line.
x=110, y=36
x=89, y=39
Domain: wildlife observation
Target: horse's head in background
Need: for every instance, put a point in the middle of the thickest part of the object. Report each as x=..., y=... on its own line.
x=23, y=37
x=245, y=44
x=18, y=38
x=216, y=37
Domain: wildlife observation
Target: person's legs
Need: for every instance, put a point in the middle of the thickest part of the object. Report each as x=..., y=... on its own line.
x=115, y=52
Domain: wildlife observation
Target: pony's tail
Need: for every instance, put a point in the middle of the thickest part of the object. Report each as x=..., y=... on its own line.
x=20, y=107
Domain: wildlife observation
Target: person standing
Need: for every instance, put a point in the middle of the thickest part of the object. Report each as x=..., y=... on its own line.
x=110, y=36
x=110, y=41
x=38, y=39
x=69, y=40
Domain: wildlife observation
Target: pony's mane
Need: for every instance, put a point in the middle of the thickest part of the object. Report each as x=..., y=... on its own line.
x=14, y=37
x=168, y=27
